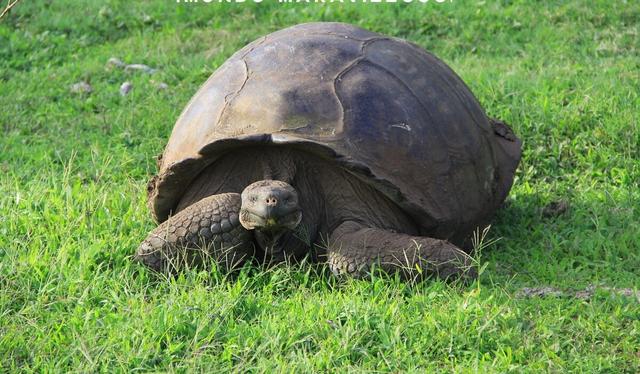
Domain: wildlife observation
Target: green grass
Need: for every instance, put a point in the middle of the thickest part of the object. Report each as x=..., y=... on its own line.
x=74, y=171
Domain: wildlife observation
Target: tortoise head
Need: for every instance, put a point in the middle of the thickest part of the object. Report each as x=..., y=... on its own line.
x=271, y=208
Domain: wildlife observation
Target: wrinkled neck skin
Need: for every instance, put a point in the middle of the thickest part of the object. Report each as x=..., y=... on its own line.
x=286, y=165
x=293, y=167
x=274, y=246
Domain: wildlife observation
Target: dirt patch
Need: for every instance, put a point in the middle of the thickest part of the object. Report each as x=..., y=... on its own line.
x=585, y=294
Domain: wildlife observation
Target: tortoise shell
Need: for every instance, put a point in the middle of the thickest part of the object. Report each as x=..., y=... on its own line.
x=385, y=109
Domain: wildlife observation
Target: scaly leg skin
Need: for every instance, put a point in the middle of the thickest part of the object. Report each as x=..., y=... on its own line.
x=354, y=248
x=209, y=228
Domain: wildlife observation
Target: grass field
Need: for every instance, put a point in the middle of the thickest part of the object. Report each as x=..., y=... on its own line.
x=74, y=169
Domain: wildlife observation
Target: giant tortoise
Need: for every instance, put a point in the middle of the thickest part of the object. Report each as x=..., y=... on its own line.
x=336, y=143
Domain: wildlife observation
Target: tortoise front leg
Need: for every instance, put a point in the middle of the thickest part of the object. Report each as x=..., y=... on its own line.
x=209, y=228
x=354, y=248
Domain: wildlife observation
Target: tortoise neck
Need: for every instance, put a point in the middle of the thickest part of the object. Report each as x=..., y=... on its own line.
x=276, y=163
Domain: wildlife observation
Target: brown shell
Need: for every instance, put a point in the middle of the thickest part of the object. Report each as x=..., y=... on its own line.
x=384, y=108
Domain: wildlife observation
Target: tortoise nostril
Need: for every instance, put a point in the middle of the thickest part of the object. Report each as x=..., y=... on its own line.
x=271, y=201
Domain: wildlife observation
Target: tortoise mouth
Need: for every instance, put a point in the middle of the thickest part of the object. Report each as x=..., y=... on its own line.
x=271, y=225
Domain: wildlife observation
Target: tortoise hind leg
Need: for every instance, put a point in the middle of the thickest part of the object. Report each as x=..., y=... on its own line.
x=354, y=248
x=209, y=228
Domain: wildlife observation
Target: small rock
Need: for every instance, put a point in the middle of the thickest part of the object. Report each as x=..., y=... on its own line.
x=81, y=87
x=115, y=62
x=555, y=209
x=160, y=86
x=140, y=67
x=125, y=88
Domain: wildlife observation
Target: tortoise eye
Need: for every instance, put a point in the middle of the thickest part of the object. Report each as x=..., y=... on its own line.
x=253, y=199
